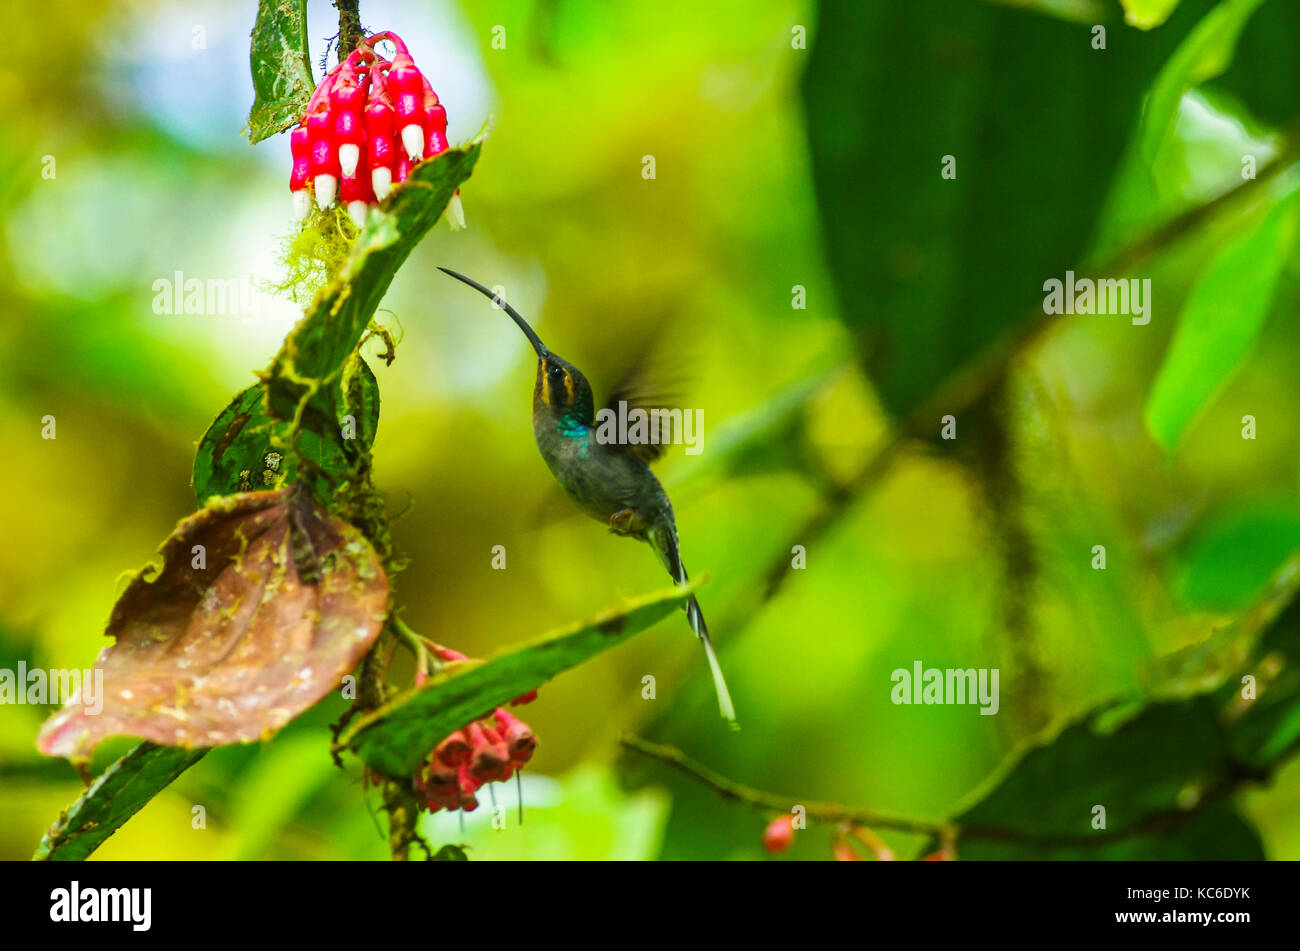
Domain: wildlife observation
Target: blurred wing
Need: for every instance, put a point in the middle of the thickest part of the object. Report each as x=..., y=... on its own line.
x=646, y=386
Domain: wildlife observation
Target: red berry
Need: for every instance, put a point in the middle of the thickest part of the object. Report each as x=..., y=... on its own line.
x=779, y=834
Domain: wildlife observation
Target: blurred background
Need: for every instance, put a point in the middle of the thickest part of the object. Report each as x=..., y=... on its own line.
x=799, y=264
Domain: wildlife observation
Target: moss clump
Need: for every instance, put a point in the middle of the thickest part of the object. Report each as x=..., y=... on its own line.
x=314, y=255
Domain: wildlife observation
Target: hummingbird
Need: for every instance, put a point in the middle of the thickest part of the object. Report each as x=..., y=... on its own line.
x=611, y=482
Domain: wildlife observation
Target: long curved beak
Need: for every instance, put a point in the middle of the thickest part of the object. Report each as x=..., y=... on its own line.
x=531, y=334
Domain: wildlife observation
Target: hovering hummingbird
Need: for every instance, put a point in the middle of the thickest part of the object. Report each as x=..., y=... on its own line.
x=611, y=482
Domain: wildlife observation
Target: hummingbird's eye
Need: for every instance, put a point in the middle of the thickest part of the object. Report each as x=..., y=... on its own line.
x=561, y=386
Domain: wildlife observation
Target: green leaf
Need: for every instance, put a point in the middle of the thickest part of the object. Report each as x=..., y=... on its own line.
x=931, y=273
x=450, y=853
x=1268, y=728
x=244, y=449
x=1161, y=769
x=315, y=352
x=1231, y=557
x=396, y=738
x=1147, y=14
x=281, y=65
x=119, y=793
x=1133, y=771
x=1206, y=53
x=1224, y=314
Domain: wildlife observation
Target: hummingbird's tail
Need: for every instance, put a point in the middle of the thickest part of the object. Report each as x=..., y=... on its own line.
x=664, y=541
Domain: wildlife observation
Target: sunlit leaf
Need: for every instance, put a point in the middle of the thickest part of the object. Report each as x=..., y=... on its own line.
x=281, y=65
x=1221, y=320
x=395, y=738
x=1147, y=14
x=1207, y=52
x=263, y=603
x=114, y=797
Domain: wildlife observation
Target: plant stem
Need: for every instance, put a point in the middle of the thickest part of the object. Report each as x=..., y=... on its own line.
x=350, y=32
x=759, y=799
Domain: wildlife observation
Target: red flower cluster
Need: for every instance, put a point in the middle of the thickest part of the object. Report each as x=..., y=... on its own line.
x=490, y=749
x=346, y=145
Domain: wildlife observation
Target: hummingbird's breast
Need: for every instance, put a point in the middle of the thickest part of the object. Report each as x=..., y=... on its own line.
x=601, y=479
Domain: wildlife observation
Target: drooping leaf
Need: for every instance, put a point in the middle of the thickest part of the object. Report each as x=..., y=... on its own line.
x=245, y=450
x=322, y=341
x=398, y=736
x=114, y=797
x=1207, y=52
x=264, y=601
x=1221, y=320
x=281, y=65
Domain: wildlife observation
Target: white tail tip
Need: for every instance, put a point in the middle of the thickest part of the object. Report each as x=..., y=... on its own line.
x=725, y=706
x=327, y=187
x=301, y=204
x=349, y=156
x=413, y=140
x=381, y=180
x=456, y=213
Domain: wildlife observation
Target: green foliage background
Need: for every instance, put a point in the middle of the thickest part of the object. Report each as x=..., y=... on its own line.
x=775, y=167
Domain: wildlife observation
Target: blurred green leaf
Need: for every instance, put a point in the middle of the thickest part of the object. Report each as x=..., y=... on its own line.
x=1231, y=556
x=1158, y=772
x=931, y=271
x=396, y=738
x=1133, y=772
x=585, y=815
x=118, y=794
x=450, y=853
x=314, y=353
x=1268, y=728
x=1147, y=14
x=287, y=772
x=281, y=65
x=1206, y=53
x=1221, y=320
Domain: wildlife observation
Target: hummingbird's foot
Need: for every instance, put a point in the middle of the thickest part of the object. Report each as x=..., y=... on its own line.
x=621, y=523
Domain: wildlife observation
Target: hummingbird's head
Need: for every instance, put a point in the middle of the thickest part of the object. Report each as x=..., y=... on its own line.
x=560, y=386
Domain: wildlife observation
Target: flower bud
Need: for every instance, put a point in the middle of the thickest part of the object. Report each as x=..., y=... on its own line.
x=519, y=739
x=488, y=752
x=454, y=750
x=779, y=834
